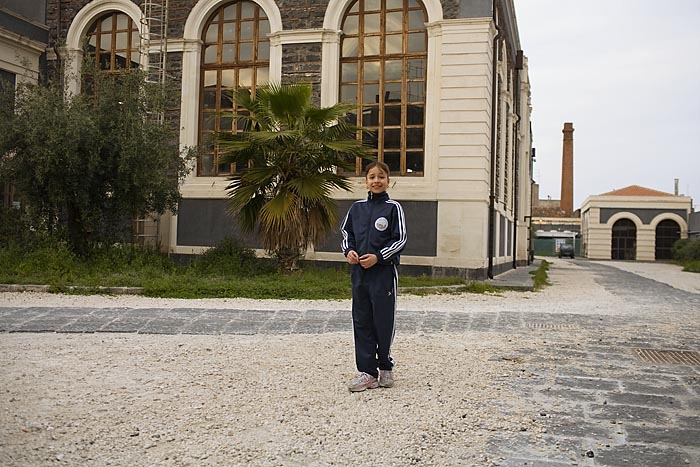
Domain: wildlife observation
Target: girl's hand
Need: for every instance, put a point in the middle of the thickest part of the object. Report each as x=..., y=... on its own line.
x=368, y=260
x=352, y=257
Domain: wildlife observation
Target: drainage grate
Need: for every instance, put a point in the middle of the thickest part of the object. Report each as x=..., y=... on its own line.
x=671, y=357
x=550, y=326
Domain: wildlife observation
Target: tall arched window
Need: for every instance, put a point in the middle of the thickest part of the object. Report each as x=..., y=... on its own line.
x=113, y=42
x=667, y=233
x=383, y=71
x=624, y=240
x=235, y=54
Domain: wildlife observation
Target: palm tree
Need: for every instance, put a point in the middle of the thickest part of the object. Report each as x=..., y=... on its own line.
x=291, y=150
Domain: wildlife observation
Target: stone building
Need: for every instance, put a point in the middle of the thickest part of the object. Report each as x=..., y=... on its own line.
x=634, y=223
x=443, y=84
x=23, y=39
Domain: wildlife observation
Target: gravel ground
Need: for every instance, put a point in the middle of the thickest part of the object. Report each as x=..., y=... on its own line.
x=145, y=400
x=184, y=400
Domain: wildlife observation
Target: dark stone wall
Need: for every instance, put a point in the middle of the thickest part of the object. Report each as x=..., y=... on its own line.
x=646, y=215
x=205, y=222
x=302, y=64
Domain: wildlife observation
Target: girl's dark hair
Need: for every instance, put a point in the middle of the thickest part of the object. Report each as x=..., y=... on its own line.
x=380, y=165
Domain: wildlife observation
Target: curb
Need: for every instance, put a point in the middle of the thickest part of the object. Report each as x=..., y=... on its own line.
x=70, y=288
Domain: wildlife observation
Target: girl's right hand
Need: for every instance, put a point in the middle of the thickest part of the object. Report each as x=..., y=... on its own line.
x=352, y=257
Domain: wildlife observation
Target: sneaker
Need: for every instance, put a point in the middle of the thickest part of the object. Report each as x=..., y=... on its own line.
x=386, y=378
x=363, y=381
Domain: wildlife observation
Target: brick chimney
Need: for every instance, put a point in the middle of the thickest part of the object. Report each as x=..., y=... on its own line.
x=567, y=170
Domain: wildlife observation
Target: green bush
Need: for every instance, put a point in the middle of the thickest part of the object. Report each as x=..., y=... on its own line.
x=686, y=250
x=230, y=258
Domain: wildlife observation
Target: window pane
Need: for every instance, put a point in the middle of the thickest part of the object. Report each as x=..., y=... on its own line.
x=348, y=94
x=394, y=21
x=209, y=100
x=92, y=42
x=212, y=33
x=416, y=42
x=414, y=138
x=372, y=23
x=355, y=7
x=210, y=54
x=392, y=92
x=370, y=71
x=372, y=5
x=416, y=68
x=228, y=53
x=370, y=116
x=209, y=121
x=206, y=166
x=122, y=21
x=106, y=25
x=230, y=12
x=349, y=73
x=226, y=99
x=394, y=4
x=393, y=160
x=226, y=122
x=392, y=138
x=414, y=162
x=370, y=93
x=416, y=20
x=121, y=41
x=351, y=117
x=350, y=26
x=369, y=139
x=394, y=44
x=229, y=34
x=228, y=78
x=415, y=91
x=120, y=61
x=392, y=115
x=247, y=30
x=245, y=77
x=414, y=114
x=247, y=10
x=393, y=70
x=350, y=48
x=372, y=45
x=245, y=52
x=263, y=51
x=262, y=76
x=263, y=28
x=210, y=79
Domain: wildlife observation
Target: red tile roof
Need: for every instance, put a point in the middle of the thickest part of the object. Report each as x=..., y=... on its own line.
x=636, y=190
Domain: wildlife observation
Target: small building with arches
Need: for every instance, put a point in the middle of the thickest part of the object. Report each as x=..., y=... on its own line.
x=633, y=223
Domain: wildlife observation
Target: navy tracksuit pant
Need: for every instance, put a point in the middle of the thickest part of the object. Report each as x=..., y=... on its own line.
x=373, y=316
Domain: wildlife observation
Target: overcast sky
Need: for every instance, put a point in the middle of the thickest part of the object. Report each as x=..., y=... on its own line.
x=626, y=73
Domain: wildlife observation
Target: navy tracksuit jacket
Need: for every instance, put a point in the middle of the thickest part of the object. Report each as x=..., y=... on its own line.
x=375, y=225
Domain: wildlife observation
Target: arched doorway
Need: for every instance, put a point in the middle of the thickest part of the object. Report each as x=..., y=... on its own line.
x=667, y=232
x=624, y=240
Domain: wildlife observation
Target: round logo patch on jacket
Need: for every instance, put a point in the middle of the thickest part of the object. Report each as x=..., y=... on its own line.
x=381, y=224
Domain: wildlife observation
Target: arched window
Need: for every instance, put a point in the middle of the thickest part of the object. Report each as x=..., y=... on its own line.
x=624, y=240
x=383, y=71
x=113, y=43
x=235, y=54
x=667, y=232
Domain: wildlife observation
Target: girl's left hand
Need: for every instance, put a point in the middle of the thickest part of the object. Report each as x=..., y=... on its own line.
x=368, y=260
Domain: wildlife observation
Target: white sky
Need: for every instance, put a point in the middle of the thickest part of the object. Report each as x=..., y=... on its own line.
x=627, y=74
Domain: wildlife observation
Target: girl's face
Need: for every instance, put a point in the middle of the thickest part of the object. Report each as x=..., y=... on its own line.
x=377, y=180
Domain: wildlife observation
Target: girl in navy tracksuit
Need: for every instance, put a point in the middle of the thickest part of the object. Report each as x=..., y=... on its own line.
x=374, y=234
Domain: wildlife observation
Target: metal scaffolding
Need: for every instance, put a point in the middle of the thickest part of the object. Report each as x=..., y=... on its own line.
x=154, y=39
x=153, y=47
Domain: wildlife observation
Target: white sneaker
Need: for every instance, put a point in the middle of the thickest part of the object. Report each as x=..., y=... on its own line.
x=363, y=381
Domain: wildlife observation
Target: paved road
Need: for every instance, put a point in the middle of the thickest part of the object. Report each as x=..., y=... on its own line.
x=592, y=379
